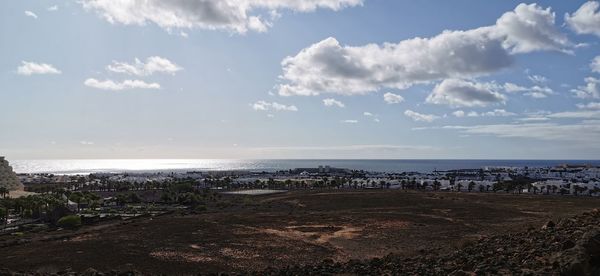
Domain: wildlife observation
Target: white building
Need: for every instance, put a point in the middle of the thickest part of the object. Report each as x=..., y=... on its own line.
x=8, y=178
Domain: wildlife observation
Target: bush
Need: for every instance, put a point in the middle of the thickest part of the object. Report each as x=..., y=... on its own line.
x=70, y=221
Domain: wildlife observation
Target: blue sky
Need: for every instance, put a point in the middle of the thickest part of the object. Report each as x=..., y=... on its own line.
x=299, y=79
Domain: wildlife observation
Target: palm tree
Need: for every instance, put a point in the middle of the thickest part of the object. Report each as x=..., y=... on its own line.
x=3, y=192
x=471, y=186
x=77, y=197
x=436, y=185
x=4, y=216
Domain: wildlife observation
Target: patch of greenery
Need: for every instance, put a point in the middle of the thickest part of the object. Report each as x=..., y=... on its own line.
x=70, y=221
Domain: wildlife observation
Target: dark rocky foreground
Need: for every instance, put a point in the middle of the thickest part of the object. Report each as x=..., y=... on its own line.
x=569, y=247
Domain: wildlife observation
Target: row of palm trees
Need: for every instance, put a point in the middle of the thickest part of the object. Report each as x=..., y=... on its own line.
x=47, y=207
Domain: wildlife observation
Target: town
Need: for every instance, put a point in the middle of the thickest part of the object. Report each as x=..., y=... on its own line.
x=70, y=200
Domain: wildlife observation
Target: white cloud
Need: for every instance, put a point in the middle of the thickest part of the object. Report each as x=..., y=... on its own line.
x=457, y=92
x=86, y=143
x=592, y=105
x=512, y=88
x=419, y=117
x=31, y=14
x=497, y=113
x=586, y=20
x=233, y=15
x=500, y=113
x=595, y=64
x=368, y=114
x=350, y=121
x=274, y=106
x=494, y=113
x=392, y=98
x=53, y=8
x=127, y=84
x=31, y=68
x=333, y=102
x=536, y=92
x=530, y=28
x=328, y=67
x=458, y=113
x=591, y=90
x=537, y=79
x=152, y=65
x=534, y=118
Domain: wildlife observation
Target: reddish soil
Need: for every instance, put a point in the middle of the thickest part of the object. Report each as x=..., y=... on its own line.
x=287, y=229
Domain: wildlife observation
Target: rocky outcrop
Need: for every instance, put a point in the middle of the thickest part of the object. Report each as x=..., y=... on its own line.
x=8, y=178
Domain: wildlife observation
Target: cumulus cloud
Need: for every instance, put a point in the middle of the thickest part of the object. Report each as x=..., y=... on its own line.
x=31, y=68
x=420, y=117
x=329, y=67
x=586, y=20
x=392, y=98
x=86, y=143
x=152, y=65
x=457, y=93
x=531, y=28
x=333, y=102
x=31, y=14
x=368, y=114
x=591, y=90
x=595, y=65
x=350, y=121
x=233, y=15
x=116, y=86
x=272, y=106
x=53, y=8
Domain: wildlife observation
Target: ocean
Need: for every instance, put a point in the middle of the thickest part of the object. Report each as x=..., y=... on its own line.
x=86, y=166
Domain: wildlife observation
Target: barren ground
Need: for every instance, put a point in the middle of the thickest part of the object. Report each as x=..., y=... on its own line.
x=293, y=228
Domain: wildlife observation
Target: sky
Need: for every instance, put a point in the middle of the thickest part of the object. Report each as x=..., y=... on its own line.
x=259, y=79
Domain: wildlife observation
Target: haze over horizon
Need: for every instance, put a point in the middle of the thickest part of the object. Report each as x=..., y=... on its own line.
x=300, y=79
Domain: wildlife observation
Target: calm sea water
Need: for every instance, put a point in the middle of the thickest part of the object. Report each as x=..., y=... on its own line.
x=177, y=165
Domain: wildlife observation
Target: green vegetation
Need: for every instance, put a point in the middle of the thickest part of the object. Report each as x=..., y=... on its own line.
x=70, y=221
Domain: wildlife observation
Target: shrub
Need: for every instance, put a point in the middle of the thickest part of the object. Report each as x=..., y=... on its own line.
x=70, y=221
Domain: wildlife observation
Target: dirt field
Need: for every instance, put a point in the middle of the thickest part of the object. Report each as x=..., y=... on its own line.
x=289, y=229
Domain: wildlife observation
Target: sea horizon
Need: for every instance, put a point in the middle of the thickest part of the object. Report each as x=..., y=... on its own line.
x=87, y=166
